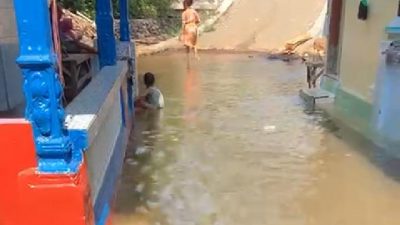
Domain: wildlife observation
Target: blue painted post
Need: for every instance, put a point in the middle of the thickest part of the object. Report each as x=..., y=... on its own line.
x=43, y=89
x=124, y=20
x=105, y=33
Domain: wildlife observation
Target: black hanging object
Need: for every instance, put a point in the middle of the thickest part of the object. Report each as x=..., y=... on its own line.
x=363, y=10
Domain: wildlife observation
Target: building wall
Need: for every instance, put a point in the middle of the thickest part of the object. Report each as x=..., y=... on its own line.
x=361, y=44
x=100, y=117
x=11, y=93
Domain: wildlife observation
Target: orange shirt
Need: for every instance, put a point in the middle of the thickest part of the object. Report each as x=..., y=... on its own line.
x=190, y=20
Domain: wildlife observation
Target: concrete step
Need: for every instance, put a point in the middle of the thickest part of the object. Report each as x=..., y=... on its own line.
x=310, y=96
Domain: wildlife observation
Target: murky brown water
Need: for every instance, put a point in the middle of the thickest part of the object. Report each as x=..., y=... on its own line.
x=234, y=147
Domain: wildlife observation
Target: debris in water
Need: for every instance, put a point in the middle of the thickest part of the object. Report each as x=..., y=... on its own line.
x=175, y=139
x=160, y=155
x=269, y=128
x=142, y=209
x=155, y=177
x=141, y=150
x=152, y=204
x=131, y=162
x=140, y=187
x=145, y=169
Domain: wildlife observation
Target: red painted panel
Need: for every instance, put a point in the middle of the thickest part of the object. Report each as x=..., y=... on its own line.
x=109, y=220
x=55, y=199
x=17, y=151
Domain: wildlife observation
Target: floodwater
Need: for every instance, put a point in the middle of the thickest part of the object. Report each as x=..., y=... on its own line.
x=234, y=147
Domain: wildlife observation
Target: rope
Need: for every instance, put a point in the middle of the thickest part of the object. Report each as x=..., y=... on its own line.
x=56, y=38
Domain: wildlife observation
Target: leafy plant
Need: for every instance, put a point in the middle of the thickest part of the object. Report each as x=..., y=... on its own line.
x=137, y=8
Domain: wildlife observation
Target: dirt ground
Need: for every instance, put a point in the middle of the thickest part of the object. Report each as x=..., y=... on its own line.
x=261, y=24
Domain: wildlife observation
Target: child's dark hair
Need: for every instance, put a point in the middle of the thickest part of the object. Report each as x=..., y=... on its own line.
x=149, y=79
x=187, y=3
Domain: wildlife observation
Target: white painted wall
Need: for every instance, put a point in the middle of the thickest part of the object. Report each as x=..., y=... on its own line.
x=97, y=111
x=11, y=93
x=361, y=41
x=100, y=152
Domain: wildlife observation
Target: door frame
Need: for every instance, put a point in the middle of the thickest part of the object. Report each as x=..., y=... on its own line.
x=334, y=43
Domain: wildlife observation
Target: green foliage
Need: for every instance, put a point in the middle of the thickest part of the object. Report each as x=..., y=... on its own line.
x=85, y=6
x=137, y=8
x=150, y=8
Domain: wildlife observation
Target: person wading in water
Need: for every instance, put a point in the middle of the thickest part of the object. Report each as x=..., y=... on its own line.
x=190, y=22
x=153, y=98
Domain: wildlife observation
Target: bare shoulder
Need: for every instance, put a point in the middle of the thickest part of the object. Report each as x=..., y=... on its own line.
x=190, y=11
x=186, y=11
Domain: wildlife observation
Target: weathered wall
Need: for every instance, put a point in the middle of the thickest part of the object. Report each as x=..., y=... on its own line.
x=361, y=44
x=10, y=77
x=154, y=30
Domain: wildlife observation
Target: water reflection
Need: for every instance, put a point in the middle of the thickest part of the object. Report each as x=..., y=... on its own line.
x=192, y=94
x=233, y=146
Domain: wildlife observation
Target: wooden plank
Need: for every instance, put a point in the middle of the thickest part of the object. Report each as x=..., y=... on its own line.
x=296, y=42
x=78, y=69
x=78, y=58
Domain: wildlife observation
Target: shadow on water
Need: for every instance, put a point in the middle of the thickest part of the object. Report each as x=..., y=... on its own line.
x=139, y=154
x=386, y=159
x=147, y=157
x=140, y=179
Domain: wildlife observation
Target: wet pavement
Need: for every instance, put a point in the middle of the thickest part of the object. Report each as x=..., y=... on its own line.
x=234, y=147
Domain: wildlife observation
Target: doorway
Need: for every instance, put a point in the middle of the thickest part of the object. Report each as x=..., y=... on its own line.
x=334, y=35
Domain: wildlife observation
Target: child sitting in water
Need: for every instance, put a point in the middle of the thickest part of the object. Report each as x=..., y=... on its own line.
x=153, y=98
